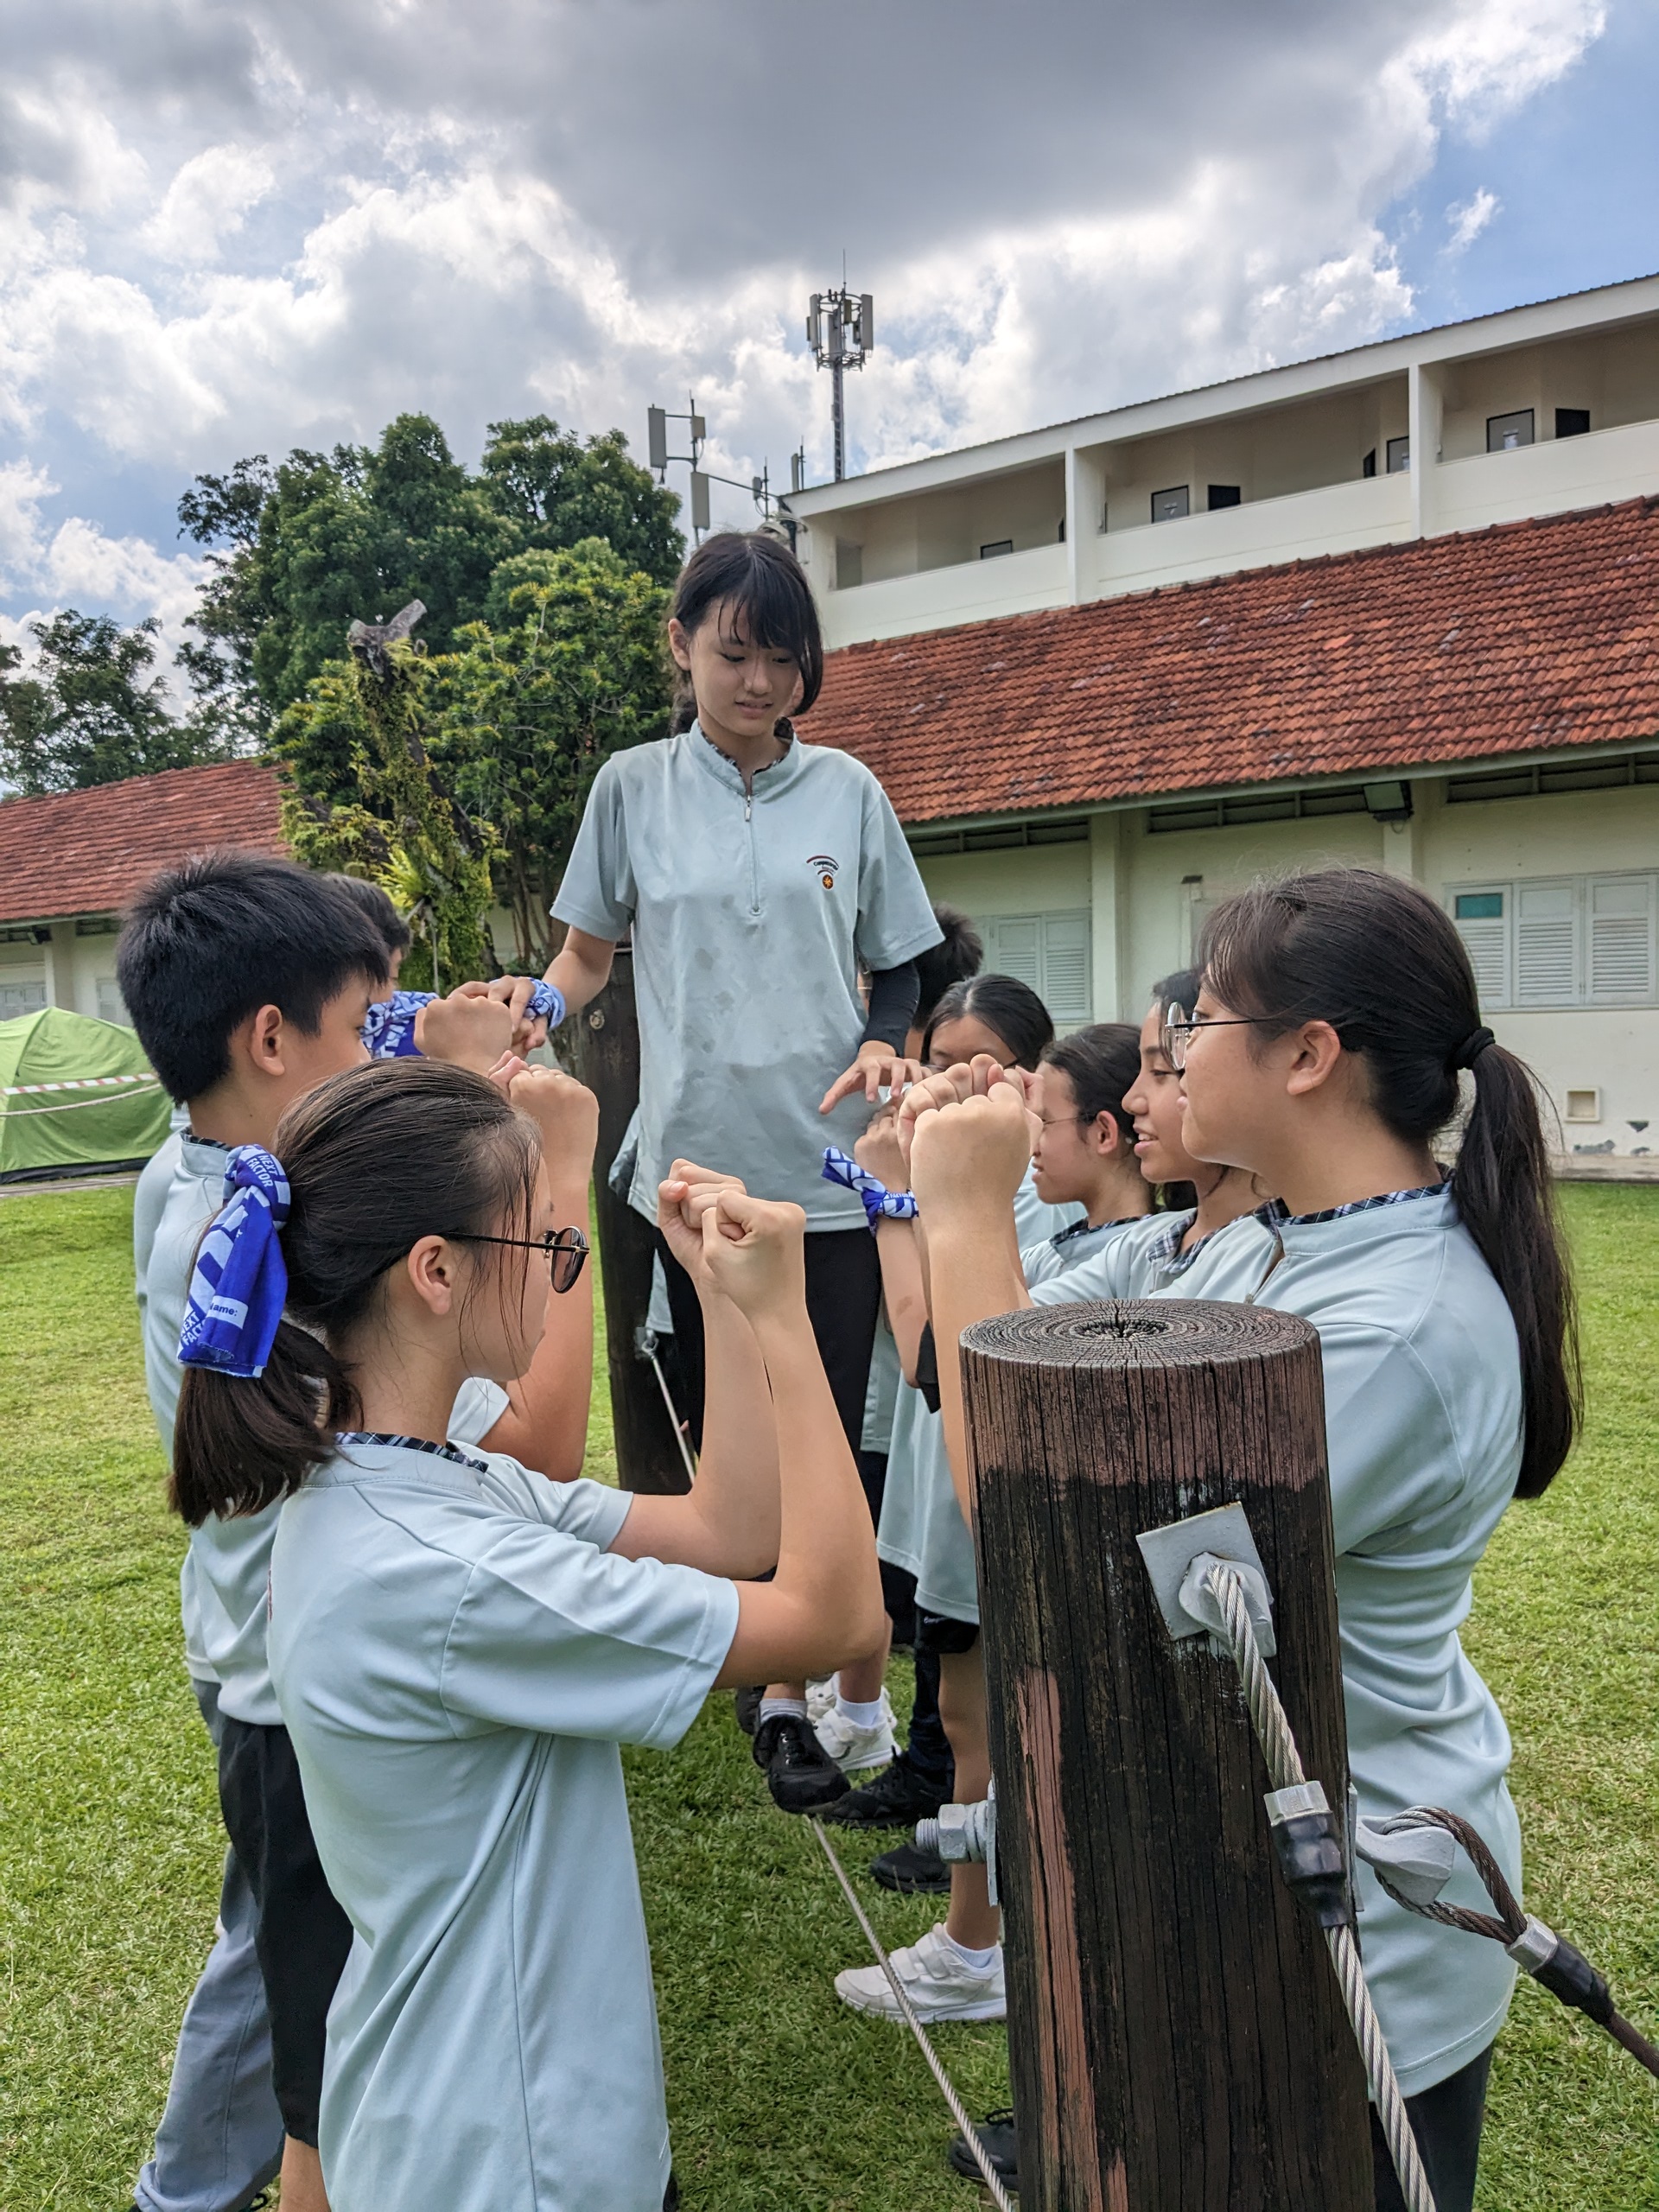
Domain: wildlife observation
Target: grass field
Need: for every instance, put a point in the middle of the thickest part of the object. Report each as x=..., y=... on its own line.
x=109, y=1842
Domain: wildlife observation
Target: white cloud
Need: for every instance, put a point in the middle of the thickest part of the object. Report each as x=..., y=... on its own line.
x=1466, y=222
x=248, y=228
x=207, y=200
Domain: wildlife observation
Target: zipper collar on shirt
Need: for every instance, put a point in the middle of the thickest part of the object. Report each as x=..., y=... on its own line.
x=725, y=771
x=203, y=1156
x=365, y=1457
x=1365, y=1221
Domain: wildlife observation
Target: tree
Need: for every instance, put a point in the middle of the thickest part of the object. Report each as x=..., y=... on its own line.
x=568, y=669
x=298, y=550
x=364, y=798
x=91, y=712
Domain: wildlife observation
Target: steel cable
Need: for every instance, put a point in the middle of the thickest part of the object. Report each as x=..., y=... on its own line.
x=994, y=2181
x=1284, y=1770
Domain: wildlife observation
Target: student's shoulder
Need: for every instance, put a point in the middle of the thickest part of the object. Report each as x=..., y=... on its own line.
x=832, y=769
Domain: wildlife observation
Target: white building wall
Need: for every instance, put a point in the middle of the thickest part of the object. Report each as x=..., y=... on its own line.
x=1148, y=895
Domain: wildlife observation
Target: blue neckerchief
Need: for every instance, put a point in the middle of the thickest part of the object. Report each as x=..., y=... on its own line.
x=880, y=1203
x=389, y=1029
x=239, y=1283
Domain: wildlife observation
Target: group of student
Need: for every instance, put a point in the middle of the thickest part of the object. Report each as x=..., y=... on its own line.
x=418, y=1636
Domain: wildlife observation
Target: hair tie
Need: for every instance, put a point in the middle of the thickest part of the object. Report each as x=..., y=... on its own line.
x=239, y=1285
x=880, y=1203
x=1471, y=1048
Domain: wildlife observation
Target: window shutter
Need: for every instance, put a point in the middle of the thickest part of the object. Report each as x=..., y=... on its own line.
x=1546, y=944
x=1621, y=939
x=1013, y=946
x=1065, y=967
x=1483, y=924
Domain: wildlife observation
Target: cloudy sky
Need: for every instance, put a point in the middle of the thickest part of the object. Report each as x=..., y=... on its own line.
x=239, y=225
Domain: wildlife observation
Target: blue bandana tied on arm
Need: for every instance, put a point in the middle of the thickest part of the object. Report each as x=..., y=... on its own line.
x=389, y=1030
x=880, y=1203
x=241, y=1283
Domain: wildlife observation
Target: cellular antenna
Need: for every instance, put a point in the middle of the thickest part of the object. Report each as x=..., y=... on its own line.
x=840, y=330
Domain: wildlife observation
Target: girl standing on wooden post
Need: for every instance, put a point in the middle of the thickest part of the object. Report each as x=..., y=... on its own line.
x=1336, y=1019
x=757, y=876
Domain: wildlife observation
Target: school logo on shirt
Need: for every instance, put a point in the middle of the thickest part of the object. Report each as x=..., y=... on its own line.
x=828, y=868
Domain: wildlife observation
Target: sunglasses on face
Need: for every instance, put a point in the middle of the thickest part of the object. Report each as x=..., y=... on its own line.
x=564, y=1249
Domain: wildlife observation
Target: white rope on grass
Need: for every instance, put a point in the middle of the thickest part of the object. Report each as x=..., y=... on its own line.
x=994, y=2181
x=1284, y=1765
x=648, y=1342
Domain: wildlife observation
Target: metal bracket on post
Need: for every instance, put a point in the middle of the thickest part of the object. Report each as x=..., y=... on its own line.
x=1180, y=1556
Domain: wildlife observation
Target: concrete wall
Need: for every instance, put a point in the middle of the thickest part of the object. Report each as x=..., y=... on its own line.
x=72, y=970
x=1149, y=894
x=909, y=564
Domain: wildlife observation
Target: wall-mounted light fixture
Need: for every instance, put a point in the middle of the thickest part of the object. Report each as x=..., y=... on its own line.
x=1389, y=801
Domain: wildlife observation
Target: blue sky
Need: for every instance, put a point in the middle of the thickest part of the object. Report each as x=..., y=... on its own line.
x=236, y=226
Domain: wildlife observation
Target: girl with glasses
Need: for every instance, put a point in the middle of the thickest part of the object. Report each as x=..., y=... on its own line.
x=459, y=1646
x=1337, y=1036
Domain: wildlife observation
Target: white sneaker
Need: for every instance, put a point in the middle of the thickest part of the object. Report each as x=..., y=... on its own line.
x=855, y=1750
x=820, y=1699
x=937, y=1980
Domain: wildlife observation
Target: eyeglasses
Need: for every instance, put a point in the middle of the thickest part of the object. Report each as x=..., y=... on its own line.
x=564, y=1249
x=1178, y=1027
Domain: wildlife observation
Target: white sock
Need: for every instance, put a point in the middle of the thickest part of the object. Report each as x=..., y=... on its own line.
x=771, y=1706
x=979, y=1961
x=862, y=1716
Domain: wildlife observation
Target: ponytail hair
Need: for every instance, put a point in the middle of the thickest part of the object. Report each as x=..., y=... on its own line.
x=758, y=578
x=1382, y=963
x=375, y=1160
x=1004, y=1006
x=1102, y=1063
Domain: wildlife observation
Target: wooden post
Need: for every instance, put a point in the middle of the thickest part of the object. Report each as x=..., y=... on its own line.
x=1177, y=2037
x=605, y=1037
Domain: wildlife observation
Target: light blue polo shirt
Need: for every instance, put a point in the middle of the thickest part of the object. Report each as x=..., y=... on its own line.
x=1423, y=1435
x=222, y=1580
x=922, y=1529
x=458, y=1657
x=1070, y=1247
x=750, y=916
x=1147, y=1258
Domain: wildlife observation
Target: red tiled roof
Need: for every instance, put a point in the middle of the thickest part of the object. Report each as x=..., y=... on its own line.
x=87, y=851
x=1528, y=637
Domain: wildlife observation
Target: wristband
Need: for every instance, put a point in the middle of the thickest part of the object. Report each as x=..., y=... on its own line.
x=546, y=1003
x=880, y=1203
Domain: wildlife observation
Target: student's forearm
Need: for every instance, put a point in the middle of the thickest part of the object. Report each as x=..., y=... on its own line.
x=580, y=970
x=823, y=1607
x=973, y=1272
x=727, y=1523
x=903, y=1289
x=545, y=1424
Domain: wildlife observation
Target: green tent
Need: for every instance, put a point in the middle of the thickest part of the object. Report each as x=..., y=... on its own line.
x=75, y=1094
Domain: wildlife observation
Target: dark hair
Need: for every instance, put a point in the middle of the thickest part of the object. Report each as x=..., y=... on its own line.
x=1179, y=989
x=1382, y=963
x=1103, y=1062
x=207, y=944
x=760, y=579
x=1007, y=1007
x=960, y=955
x=376, y=905
x=375, y=1159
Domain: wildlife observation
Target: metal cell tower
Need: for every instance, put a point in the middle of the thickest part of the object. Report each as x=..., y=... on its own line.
x=840, y=330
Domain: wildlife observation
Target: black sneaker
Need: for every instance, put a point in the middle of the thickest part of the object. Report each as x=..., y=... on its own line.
x=745, y=1704
x=911, y=1871
x=897, y=1798
x=996, y=2132
x=800, y=1774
